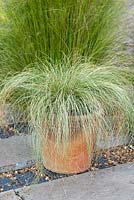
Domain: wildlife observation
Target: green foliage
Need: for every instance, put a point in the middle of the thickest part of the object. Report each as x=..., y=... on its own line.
x=128, y=73
x=56, y=93
x=36, y=28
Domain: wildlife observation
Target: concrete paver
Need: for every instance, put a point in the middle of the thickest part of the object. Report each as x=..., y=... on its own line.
x=108, y=184
x=10, y=195
x=15, y=150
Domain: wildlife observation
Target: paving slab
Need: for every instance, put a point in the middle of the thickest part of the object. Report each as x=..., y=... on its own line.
x=107, y=184
x=112, y=141
x=10, y=195
x=15, y=150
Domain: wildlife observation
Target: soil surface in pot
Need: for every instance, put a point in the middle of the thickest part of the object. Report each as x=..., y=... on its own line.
x=31, y=175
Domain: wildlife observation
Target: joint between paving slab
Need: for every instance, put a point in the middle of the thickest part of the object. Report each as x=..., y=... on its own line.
x=17, y=166
x=18, y=195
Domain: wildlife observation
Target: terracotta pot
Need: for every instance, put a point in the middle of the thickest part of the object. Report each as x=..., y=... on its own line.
x=75, y=160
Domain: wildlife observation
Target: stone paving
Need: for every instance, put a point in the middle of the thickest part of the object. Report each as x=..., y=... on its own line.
x=108, y=184
x=15, y=152
x=10, y=195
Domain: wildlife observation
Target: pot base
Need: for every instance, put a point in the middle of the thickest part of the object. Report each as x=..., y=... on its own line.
x=75, y=160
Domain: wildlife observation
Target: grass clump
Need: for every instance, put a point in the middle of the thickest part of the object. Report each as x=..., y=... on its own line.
x=52, y=93
x=54, y=89
x=36, y=28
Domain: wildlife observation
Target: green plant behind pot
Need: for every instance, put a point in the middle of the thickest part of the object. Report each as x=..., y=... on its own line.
x=36, y=28
x=54, y=93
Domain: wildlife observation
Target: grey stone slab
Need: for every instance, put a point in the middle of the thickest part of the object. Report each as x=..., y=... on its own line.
x=10, y=195
x=17, y=166
x=107, y=184
x=15, y=150
x=112, y=141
